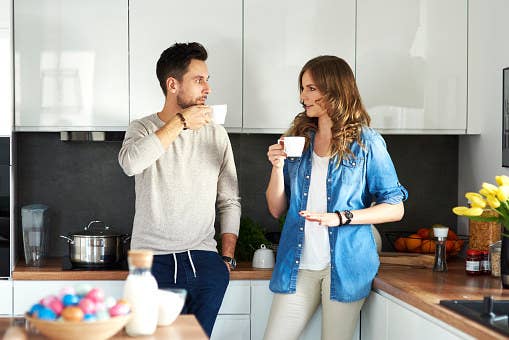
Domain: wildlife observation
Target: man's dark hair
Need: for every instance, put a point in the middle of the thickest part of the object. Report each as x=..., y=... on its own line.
x=174, y=61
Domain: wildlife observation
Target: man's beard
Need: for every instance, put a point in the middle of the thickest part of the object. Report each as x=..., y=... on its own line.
x=184, y=104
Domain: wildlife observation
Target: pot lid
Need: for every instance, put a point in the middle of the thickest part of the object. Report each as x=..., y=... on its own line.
x=91, y=230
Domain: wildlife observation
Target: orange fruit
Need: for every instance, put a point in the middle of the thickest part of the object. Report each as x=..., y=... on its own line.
x=399, y=244
x=413, y=243
x=428, y=246
x=424, y=233
x=451, y=235
x=457, y=246
x=449, y=246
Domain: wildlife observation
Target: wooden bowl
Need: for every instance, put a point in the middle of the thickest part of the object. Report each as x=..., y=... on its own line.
x=72, y=330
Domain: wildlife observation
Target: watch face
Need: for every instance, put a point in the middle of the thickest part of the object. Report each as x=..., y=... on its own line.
x=348, y=214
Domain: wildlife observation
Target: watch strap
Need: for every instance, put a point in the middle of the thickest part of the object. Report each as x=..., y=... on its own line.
x=230, y=260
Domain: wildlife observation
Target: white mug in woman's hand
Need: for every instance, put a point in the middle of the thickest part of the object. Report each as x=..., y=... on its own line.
x=293, y=145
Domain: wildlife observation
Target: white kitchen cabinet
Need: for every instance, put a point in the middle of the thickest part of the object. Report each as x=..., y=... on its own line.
x=5, y=14
x=413, y=77
x=231, y=327
x=71, y=65
x=6, y=82
x=26, y=293
x=5, y=297
x=384, y=317
x=261, y=300
x=155, y=25
x=279, y=38
x=236, y=298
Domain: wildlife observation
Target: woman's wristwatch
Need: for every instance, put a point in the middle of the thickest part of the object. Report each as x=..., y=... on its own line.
x=231, y=261
x=348, y=215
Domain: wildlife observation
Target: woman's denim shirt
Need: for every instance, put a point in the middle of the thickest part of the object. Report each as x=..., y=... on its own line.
x=354, y=184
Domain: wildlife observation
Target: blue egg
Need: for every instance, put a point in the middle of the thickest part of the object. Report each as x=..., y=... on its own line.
x=35, y=308
x=46, y=314
x=89, y=317
x=70, y=300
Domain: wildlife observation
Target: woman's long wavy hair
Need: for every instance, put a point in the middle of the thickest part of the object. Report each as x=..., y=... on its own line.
x=342, y=101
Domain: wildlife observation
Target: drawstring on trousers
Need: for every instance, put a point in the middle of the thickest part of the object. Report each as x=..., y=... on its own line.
x=175, y=261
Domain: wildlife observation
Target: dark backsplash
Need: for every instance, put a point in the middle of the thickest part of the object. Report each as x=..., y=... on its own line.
x=82, y=181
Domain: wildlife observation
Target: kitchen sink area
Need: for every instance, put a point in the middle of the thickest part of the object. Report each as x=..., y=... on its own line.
x=489, y=312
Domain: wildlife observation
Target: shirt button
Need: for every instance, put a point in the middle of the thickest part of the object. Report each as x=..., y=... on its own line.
x=300, y=245
x=307, y=177
x=328, y=198
x=330, y=232
x=301, y=229
x=305, y=194
x=353, y=163
x=329, y=180
x=297, y=261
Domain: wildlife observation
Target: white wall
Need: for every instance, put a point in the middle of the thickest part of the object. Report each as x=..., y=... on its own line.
x=480, y=156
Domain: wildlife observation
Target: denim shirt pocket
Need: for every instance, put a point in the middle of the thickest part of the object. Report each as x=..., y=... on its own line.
x=352, y=170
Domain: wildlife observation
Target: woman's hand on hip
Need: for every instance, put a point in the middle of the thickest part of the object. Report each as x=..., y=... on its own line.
x=276, y=155
x=325, y=219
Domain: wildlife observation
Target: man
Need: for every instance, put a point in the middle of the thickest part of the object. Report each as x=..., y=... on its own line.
x=184, y=169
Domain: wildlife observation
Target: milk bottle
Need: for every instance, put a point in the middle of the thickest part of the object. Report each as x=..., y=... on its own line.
x=140, y=291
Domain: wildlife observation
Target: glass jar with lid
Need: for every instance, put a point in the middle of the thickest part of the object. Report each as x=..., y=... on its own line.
x=482, y=234
x=495, y=250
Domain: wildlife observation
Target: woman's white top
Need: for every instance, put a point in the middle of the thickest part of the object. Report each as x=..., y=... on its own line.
x=316, y=249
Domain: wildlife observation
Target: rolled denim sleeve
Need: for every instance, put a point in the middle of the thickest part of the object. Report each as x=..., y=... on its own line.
x=382, y=180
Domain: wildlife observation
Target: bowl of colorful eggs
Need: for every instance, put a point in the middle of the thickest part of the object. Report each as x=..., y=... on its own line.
x=83, y=313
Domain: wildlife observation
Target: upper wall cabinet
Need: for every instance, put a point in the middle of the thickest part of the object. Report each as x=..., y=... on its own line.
x=71, y=65
x=155, y=25
x=5, y=14
x=412, y=64
x=6, y=83
x=279, y=38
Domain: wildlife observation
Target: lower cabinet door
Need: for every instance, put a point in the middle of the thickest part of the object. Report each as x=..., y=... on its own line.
x=231, y=327
x=5, y=297
x=26, y=293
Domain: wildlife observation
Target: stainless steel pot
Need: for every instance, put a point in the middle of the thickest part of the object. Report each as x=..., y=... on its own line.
x=97, y=246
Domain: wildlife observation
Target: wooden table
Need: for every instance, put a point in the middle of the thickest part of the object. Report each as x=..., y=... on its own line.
x=184, y=328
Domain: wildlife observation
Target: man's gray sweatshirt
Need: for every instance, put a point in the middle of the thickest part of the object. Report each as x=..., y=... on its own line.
x=179, y=189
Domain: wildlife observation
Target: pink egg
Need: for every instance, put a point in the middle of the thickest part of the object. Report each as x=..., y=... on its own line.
x=96, y=294
x=56, y=306
x=47, y=300
x=87, y=305
x=119, y=309
x=66, y=291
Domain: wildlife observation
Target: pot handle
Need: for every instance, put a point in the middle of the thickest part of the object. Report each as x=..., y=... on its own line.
x=71, y=241
x=92, y=222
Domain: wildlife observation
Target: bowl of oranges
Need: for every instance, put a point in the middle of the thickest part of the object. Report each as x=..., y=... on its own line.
x=423, y=241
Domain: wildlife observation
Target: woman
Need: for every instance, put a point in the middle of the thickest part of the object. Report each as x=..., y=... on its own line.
x=344, y=182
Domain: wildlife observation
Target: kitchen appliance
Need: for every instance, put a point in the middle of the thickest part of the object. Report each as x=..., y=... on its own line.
x=489, y=312
x=96, y=246
x=34, y=220
x=263, y=258
x=5, y=207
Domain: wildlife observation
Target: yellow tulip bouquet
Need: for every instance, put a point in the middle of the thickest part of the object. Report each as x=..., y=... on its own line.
x=489, y=197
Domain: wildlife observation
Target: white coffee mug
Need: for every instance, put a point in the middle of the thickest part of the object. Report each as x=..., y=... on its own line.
x=218, y=113
x=293, y=145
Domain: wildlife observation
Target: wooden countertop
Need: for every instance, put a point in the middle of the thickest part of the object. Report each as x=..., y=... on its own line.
x=423, y=289
x=419, y=287
x=184, y=328
x=53, y=271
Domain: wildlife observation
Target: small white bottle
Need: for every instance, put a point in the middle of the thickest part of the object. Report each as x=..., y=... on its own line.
x=140, y=290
